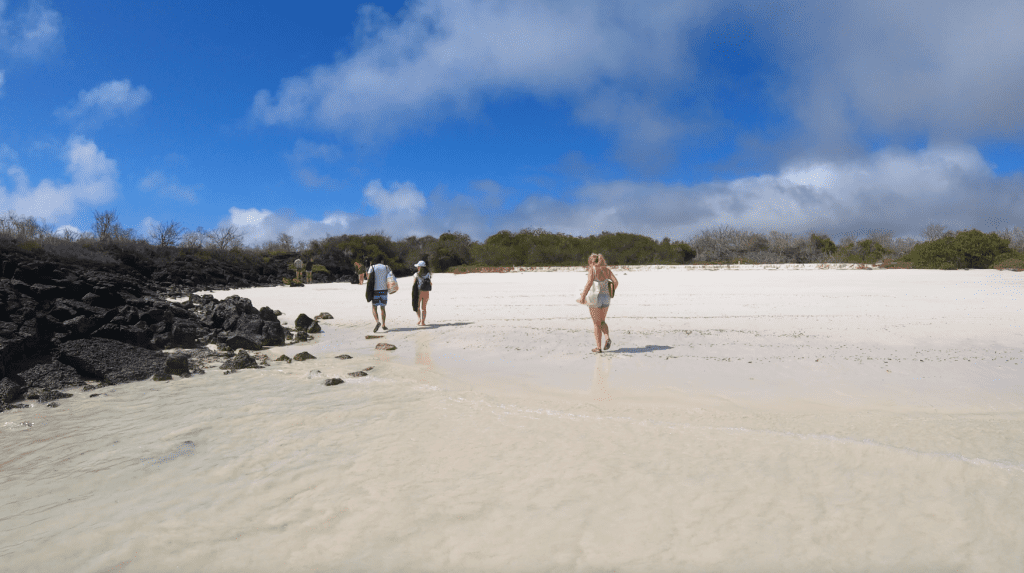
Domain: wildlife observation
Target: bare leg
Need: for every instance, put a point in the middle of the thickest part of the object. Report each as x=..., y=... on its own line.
x=603, y=314
x=423, y=310
x=596, y=316
x=383, y=318
x=375, y=319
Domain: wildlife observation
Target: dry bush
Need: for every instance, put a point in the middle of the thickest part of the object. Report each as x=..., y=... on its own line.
x=1015, y=236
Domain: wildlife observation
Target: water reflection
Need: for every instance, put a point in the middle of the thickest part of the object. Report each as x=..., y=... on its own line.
x=599, y=389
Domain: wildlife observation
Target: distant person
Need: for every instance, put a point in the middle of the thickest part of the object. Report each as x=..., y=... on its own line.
x=601, y=285
x=360, y=271
x=377, y=292
x=421, y=288
x=299, y=265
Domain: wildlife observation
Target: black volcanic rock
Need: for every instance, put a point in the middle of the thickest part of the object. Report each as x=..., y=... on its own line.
x=110, y=360
x=244, y=341
x=51, y=395
x=10, y=391
x=52, y=376
x=239, y=361
x=177, y=364
x=303, y=322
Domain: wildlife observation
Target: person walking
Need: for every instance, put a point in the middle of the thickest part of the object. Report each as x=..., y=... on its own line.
x=421, y=288
x=601, y=287
x=377, y=292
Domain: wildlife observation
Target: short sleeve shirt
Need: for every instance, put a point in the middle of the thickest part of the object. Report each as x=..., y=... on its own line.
x=380, y=276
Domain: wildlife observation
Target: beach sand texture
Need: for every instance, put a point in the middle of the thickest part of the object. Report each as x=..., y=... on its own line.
x=754, y=420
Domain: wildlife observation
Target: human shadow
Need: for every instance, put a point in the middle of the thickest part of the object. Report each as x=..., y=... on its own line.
x=648, y=348
x=428, y=327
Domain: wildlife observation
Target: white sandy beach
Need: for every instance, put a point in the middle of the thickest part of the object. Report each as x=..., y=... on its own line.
x=795, y=419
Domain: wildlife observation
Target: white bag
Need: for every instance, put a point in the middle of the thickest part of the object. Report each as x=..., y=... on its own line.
x=392, y=283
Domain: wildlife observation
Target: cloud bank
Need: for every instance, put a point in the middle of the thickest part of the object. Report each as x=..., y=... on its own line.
x=92, y=180
x=890, y=190
x=943, y=68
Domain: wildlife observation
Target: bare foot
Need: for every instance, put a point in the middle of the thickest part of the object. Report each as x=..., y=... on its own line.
x=597, y=350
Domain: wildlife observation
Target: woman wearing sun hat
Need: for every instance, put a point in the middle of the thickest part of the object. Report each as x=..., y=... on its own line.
x=421, y=292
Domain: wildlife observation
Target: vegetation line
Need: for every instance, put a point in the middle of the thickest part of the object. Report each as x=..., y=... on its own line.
x=172, y=255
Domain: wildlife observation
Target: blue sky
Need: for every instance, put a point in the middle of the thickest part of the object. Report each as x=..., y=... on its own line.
x=414, y=118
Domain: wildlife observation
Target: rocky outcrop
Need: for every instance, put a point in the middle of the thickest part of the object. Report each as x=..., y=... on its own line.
x=111, y=361
x=109, y=324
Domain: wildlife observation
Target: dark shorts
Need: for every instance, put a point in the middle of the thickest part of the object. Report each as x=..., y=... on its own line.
x=380, y=298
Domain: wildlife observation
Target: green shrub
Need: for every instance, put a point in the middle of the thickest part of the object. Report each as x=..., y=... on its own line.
x=823, y=243
x=867, y=251
x=965, y=250
x=1009, y=260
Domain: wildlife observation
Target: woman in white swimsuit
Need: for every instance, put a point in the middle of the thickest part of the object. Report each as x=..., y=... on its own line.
x=602, y=280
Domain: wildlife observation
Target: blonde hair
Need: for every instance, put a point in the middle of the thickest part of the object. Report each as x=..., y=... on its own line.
x=598, y=257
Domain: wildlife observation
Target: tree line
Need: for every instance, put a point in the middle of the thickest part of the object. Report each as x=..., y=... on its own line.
x=334, y=257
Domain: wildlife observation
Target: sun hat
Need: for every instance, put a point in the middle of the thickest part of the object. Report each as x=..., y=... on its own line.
x=421, y=264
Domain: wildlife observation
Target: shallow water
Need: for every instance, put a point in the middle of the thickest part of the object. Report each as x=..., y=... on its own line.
x=611, y=463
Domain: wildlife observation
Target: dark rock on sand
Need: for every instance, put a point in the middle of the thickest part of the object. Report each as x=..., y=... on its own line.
x=303, y=322
x=386, y=346
x=161, y=377
x=357, y=374
x=314, y=328
x=369, y=336
x=52, y=405
x=301, y=336
x=323, y=316
x=304, y=356
x=283, y=358
x=11, y=391
x=239, y=361
x=88, y=387
x=333, y=381
x=344, y=357
x=53, y=375
x=177, y=364
x=51, y=395
x=111, y=361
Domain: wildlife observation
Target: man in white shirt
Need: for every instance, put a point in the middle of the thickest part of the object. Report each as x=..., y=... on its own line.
x=377, y=292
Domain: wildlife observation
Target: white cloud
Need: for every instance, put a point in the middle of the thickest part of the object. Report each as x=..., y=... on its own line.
x=444, y=57
x=403, y=197
x=33, y=32
x=93, y=181
x=165, y=186
x=941, y=67
x=893, y=189
x=106, y=101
